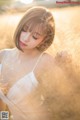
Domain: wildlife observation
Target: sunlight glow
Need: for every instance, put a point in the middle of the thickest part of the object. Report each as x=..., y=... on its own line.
x=26, y=1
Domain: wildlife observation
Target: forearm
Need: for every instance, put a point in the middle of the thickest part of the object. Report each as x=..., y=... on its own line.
x=2, y=105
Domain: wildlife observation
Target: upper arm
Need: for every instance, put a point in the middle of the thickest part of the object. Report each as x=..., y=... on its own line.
x=52, y=81
x=2, y=53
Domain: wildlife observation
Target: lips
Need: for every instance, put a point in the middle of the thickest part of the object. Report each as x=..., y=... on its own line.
x=22, y=44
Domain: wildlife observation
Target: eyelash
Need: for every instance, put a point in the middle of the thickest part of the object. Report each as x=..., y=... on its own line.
x=34, y=37
x=24, y=30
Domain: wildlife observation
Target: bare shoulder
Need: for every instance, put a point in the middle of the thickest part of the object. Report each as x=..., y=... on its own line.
x=49, y=65
x=48, y=60
x=4, y=52
x=51, y=68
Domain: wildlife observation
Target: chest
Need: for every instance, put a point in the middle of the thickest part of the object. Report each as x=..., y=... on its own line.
x=13, y=69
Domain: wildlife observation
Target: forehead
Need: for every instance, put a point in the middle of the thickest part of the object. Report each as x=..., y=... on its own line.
x=36, y=27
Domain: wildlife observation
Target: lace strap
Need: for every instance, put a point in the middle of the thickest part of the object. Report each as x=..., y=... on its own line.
x=37, y=61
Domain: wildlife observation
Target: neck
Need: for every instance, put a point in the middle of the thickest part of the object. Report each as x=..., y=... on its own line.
x=29, y=53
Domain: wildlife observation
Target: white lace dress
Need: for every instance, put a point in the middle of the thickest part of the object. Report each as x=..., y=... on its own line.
x=16, y=98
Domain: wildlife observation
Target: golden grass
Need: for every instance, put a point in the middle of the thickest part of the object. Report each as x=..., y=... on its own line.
x=65, y=98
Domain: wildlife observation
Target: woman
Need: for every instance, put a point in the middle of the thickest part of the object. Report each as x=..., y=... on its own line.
x=25, y=68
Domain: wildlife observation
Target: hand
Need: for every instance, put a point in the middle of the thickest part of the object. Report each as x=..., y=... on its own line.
x=63, y=57
x=4, y=88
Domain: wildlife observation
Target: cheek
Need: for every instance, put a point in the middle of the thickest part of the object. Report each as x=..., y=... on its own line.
x=24, y=36
x=34, y=44
x=37, y=42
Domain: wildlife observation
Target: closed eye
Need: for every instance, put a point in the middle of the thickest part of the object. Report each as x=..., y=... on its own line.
x=23, y=30
x=34, y=37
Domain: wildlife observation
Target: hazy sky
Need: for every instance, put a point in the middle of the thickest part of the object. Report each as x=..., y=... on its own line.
x=25, y=1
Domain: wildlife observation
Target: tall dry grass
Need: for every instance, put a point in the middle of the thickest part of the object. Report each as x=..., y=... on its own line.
x=62, y=94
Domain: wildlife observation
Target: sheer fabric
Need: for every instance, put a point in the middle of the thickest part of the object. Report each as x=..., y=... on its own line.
x=16, y=98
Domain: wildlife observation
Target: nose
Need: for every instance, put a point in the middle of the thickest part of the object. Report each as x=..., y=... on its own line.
x=26, y=37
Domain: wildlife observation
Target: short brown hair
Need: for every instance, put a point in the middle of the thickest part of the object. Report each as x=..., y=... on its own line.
x=40, y=18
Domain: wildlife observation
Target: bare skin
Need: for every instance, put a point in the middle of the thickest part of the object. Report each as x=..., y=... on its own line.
x=55, y=91
x=17, y=64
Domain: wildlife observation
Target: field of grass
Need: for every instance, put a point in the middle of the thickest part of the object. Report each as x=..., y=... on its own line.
x=65, y=49
x=67, y=30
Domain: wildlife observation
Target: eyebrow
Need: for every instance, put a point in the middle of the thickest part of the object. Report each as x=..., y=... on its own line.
x=25, y=28
x=38, y=33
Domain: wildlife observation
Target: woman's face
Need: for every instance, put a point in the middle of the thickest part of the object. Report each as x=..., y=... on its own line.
x=29, y=40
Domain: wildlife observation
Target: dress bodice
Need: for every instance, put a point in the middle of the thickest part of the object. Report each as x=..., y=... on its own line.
x=16, y=98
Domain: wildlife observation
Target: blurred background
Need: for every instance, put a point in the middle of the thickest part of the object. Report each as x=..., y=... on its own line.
x=66, y=45
x=66, y=14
